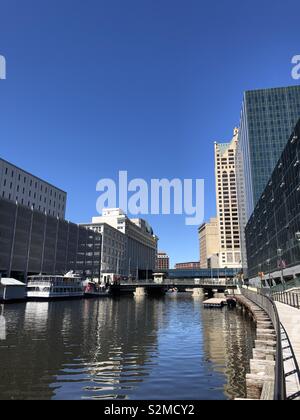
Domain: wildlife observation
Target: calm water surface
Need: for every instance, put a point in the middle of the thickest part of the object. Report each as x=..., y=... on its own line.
x=133, y=348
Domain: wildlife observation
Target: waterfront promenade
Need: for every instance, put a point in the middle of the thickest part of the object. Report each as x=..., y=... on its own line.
x=290, y=319
x=288, y=333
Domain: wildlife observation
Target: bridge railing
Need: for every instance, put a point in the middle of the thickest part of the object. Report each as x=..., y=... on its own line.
x=268, y=305
x=201, y=282
x=183, y=282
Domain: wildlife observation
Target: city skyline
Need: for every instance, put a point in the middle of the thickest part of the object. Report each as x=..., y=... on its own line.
x=99, y=100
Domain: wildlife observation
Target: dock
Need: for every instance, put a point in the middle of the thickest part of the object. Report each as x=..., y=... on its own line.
x=215, y=303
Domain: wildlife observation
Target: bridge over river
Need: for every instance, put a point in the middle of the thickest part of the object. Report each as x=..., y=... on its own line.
x=182, y=284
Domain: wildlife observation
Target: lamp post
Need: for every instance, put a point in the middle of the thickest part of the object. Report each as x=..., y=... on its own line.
x=269, y=271
x=279, y=254
x=260, y=274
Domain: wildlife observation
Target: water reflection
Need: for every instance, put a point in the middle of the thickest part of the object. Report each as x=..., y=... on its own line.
x=137, y=348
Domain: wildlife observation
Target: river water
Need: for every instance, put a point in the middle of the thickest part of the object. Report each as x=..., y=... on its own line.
x=124, y=348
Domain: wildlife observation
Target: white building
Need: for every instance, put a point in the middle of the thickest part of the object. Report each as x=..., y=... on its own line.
x=227, y=205
x=129, y=245
x=30, y=191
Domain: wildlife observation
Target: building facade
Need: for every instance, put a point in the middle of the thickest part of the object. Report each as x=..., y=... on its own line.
x=140, y=241
x=30, y=191
x=162, y=261
x=32, y=242
x=188, y=266
x=273, y=230
x=113, y=255
x=268, y=117
x=227, y=205
x=209, y=244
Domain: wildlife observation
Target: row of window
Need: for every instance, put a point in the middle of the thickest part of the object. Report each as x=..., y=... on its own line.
x=42, y=189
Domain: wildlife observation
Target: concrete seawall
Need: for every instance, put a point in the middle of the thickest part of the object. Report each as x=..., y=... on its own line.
x=260, y=381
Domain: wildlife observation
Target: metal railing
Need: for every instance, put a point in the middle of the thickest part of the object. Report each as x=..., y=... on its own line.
x=268, y=305
x=290, y=284
x=288, y=298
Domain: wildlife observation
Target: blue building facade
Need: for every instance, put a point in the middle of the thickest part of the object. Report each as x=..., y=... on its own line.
x=267, y=119
x=273, y=230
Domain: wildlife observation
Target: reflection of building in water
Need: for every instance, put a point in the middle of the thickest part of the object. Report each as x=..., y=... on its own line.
x=106, y=342
x=228, y=342
x=36, y=317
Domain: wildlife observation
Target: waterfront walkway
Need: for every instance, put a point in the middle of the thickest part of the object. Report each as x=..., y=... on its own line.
x=290, y=319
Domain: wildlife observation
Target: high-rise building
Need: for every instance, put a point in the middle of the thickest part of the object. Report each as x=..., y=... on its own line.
x=209, y=244
x=162, y=261
x=227, y=206
x=20, y=186
x=273, y=230
x=139, y=256
x=268, y=116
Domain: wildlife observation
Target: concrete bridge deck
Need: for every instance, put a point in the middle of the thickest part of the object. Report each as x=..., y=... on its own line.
x=180, y=284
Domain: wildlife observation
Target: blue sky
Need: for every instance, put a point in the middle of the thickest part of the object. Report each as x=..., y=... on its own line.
x=147, y=86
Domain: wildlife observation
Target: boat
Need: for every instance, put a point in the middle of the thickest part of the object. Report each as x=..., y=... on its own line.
x=52, y=287
x=214, y=303
x=231, y=302
x=94, y=290
x=172, y=292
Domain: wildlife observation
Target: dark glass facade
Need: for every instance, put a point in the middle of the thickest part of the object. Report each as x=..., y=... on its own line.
x=32, y=242
x=276, y=218
x=267, y=120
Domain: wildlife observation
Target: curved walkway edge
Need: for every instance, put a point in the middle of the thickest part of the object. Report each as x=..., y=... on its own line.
x=290, y=319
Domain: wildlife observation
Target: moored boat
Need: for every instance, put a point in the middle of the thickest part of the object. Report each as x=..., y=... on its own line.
x=43, y=287
x=94, y=290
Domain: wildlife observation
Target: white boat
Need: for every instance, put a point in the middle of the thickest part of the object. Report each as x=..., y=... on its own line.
x=43, y=287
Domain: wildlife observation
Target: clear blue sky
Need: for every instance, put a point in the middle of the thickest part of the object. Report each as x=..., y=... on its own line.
x=97, y=86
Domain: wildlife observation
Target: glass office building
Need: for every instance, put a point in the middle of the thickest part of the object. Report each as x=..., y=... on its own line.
x=268, y=117
x=273, y=231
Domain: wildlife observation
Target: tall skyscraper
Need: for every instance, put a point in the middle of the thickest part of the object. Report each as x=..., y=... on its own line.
x=268, y=117
x=227, y=206
x=209, y=244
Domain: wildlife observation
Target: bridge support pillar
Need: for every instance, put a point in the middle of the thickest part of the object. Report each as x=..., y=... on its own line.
x=198, y=292
x=140, y=291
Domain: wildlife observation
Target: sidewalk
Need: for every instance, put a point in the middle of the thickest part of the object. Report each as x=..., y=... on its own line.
x=290, y=319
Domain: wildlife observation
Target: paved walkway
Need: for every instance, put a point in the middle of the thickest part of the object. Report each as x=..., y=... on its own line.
x=290, y=319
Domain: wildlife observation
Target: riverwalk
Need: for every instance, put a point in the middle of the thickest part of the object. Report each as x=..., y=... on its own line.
x=290, y=319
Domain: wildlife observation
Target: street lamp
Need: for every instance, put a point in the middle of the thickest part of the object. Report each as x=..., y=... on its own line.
x=269, y=271
x=260, y=275
x=279, y=254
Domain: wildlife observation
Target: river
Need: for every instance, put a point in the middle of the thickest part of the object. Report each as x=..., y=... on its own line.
x=124, y=348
